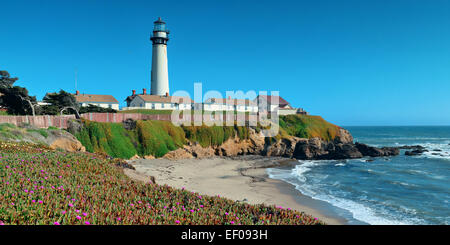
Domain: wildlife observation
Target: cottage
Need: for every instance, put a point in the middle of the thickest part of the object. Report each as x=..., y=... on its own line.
x=105, y=101
x=268, y=103
x=220, y=104
x=158, y=102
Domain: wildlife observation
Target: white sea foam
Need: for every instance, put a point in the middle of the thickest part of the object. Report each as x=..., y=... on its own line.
x=442, y=153
x=359, y=211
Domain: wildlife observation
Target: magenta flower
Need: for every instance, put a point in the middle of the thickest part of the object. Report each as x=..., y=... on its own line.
x=40, y=201
x=63, y=212
x=70, y=205
x=177, y=221
x=56, y=223
x=77, y=210
x=84, y=214
x=78, y=217
x=87, y=223
x=119, y=219
x=33, y=201
x=232, y=222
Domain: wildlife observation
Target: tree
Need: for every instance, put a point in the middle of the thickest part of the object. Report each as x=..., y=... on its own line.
x=94, y=108
x=17, y=101
x=60, y=102
x=6, y=81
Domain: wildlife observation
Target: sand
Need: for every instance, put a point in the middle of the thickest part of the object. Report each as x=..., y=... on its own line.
x=242, y=179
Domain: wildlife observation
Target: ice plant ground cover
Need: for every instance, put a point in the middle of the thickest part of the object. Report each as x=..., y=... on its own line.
x=41, y=186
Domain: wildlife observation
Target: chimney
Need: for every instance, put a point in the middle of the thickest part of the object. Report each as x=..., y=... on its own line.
x=134, y=92
x=144, y=91
x=77, y=92
x=167, y=94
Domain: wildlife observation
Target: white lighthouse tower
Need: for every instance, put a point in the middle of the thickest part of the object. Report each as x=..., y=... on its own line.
x=160, y=75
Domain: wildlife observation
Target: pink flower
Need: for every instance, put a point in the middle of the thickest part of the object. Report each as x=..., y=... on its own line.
x=70, y=205
x=77, y=211
x=40, y=201
x=119, y=219
x=232, y=222
x=78, y=217
x=87, y=223
x=63, y=212
x=84, y=214
x=33, y=201
x=56, y=223
x=177, y=221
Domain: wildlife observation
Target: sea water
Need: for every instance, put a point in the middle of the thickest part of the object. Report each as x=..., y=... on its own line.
x=385, y=190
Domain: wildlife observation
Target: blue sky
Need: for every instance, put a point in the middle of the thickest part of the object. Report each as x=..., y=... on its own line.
x=354, y=62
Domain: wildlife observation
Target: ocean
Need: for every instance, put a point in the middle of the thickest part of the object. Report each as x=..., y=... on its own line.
x=388, y=190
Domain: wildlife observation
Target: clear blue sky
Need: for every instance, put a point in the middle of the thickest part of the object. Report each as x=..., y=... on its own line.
x=372, y=62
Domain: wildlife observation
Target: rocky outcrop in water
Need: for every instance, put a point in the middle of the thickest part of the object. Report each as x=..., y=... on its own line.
x=342, y=147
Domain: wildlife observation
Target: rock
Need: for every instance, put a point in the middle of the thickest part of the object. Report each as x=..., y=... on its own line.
x=415, y=152
x=129, y=124
x=344, y=151
x=67, y=145
x=410, y=147
x=149, y=157
x=74, y=126
x=344, y=137
x=178, y=154
x=376, y=152
x=133, y=174
x=135, y=157
x=437, y=150
x=60, y=139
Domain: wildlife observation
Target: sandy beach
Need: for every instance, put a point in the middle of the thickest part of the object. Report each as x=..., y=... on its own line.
x=240, y=178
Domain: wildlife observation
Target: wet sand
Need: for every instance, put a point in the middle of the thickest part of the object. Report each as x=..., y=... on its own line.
x=240, y=178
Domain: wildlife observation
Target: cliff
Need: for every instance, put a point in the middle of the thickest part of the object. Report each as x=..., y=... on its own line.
x=342, y=147
x=300, y=136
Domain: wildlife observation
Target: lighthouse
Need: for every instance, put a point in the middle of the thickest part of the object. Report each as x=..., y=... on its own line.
x=160, y=75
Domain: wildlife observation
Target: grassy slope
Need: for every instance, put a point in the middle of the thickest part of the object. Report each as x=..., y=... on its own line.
x=39, y=186
x=10, y=132
x=159, y=137
x=306, y=126
x=150, y=137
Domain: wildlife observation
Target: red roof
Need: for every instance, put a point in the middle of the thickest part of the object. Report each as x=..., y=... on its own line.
x=281, y=102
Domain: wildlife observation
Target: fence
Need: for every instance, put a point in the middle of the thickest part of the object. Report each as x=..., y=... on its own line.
x=46, y=121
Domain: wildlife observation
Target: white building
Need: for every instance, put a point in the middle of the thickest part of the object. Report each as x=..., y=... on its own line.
x=269, y=103
x=105, y=101
x=220, y=104
x=157, y=102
